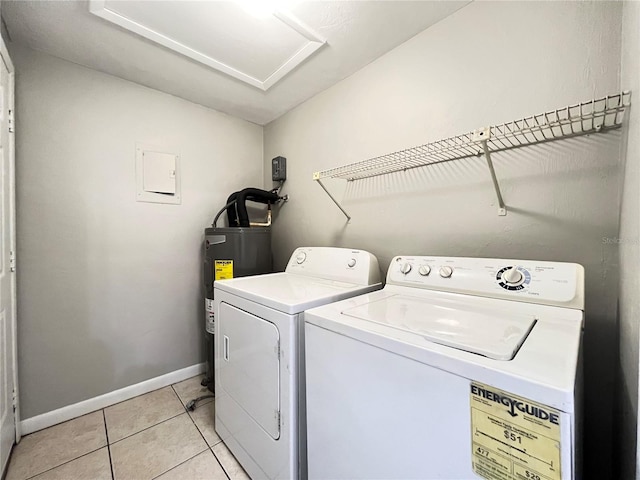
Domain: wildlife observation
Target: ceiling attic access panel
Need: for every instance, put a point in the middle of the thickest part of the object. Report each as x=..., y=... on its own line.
x=258, y=50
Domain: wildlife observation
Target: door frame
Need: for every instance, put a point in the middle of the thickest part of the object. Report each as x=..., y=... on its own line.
x=4, y=53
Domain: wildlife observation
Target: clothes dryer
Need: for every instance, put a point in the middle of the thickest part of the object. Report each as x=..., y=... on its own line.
x=259, y=367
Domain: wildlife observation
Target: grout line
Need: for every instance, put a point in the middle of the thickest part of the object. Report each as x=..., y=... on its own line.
x=181, y=403
x=150, y=426
x=196, y=425
x=83, y=408
x=147, y=428
x=106, y=432
x=132, y=398
x=219, y=462
x=62, y=422
x=181, y=463
x=165, y=420
x=178, y=397
x=108, y=445
x=68, y=461
x=200, y=430
x=210, y=447
x=174, y=390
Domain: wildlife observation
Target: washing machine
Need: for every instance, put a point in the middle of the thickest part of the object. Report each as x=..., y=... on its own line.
x=259, y=366
x=460, y=368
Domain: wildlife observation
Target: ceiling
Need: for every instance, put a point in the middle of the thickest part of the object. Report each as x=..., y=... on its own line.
x=255, y=65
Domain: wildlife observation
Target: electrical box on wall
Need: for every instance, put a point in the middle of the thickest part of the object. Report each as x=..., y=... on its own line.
x=159, y=172
x=279, y=169
x=157, y=175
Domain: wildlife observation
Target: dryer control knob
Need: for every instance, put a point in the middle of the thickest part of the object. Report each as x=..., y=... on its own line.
x=352, y=263
x=512, y=276
x=405, y=268
x=301, y=257
x=424, y=270
x=446, y=272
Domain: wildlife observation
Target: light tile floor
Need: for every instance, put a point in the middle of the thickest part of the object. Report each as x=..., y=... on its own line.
x=148, y=437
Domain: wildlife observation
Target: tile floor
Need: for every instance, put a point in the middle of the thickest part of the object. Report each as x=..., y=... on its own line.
x=148, y=437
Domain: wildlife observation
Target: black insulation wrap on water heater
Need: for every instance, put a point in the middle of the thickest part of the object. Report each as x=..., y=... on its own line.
x=237, y=214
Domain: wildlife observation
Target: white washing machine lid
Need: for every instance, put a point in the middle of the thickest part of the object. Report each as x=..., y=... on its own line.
x=291, y=293
x=489, y=332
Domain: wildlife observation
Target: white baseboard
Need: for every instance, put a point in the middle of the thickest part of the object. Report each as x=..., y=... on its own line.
x=69, y=412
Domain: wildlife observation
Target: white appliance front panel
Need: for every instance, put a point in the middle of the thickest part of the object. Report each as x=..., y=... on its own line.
x=491, y=333
x=250, y=368
x=372, y=414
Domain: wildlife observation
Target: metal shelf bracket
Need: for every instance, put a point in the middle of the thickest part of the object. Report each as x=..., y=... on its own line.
x=482, y=135
x=316, y=177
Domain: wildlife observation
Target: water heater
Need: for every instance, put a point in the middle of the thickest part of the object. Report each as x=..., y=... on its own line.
x=230, y=253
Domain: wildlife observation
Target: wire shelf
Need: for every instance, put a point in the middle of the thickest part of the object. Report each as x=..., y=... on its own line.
x=584, y=118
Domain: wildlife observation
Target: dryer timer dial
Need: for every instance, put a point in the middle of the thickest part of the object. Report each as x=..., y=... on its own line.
x=446, y=271
x=405, y=268
x=424, y=270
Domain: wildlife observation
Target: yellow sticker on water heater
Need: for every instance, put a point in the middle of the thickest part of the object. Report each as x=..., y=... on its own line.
x=224, y=269
x=513, y=438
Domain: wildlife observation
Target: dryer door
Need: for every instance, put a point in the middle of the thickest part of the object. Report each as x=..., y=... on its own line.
x=250, y=370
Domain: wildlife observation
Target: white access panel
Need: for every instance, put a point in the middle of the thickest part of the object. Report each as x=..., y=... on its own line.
x=157, y=175
x=251, y=370
x=159, y=172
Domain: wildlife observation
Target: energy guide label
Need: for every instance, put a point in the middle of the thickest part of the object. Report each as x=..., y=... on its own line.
x=513, y=438
x=223, y=269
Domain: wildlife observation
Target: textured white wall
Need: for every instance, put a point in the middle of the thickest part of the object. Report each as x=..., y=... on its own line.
x=110, y=288
x=629, y=303
x=487, y=63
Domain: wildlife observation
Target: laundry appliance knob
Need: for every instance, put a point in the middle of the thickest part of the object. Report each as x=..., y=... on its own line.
x=405, y=268
x=512, y=276
x=446, y=272
x=424, y=270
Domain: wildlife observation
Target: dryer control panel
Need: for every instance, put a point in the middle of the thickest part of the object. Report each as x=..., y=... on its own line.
x=340, y=264
x=548, y=283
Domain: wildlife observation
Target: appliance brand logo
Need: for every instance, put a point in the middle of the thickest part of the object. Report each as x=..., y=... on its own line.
x=515, y=405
